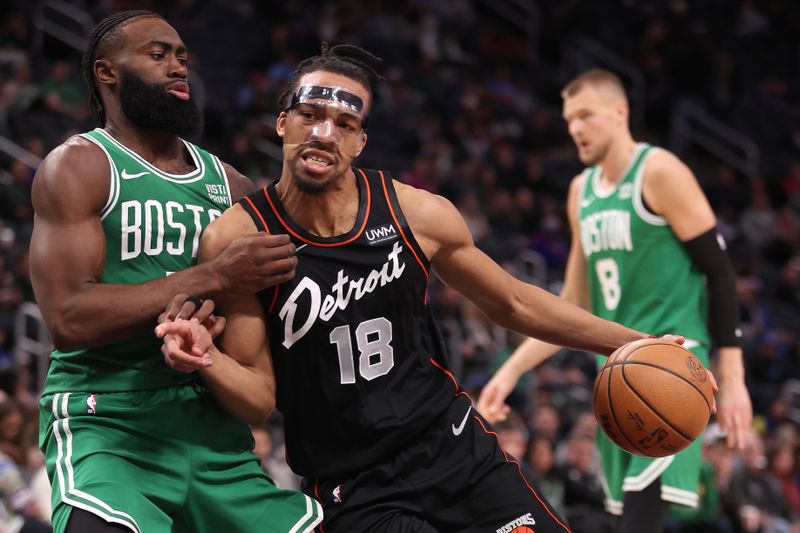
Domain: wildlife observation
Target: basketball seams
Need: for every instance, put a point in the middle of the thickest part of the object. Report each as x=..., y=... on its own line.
x=614, y=414
x=648, y=404
x=669, y=371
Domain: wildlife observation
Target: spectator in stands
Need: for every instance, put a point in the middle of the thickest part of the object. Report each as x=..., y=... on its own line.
x=783, y=465
x=583, y=489
x=62, y=94
x=513, y=437
x=755, y=492
x=548, y=476
x=19, y=512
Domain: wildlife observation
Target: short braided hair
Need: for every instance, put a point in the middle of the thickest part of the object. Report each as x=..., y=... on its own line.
x=107, y=33
x=345, y=59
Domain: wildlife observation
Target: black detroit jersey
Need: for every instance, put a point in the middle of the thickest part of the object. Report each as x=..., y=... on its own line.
x=359, y=362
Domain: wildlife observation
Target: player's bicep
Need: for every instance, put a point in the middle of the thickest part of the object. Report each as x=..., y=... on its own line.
x=576, y=285
x=672, y=191
x=67, y=247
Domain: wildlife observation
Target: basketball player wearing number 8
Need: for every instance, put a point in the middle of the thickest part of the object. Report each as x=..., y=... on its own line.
x=382, y=432
x=645, y=253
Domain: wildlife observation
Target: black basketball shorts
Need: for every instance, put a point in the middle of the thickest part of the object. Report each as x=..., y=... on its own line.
x=454, y=478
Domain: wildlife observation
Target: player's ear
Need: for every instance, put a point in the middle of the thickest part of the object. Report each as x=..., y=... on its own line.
x=105, y=72
x=623, y=111
x=280, y=124
x=361, y=144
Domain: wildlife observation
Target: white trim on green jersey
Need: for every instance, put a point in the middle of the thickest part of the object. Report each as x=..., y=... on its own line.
x=638, y=200
x=113, y=190
x=194, y=175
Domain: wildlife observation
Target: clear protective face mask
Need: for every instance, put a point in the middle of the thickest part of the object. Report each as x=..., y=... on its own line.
x=331, y=114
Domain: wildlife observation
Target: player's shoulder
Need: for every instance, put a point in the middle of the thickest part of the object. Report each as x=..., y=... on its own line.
x=660, y=159
x=421, y=204
x=240, y=184
x=75, y=152
x=77, y=167
x=432, y=217
x=577, y=181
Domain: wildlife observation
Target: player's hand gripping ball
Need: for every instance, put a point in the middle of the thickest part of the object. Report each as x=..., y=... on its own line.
x=653, y=397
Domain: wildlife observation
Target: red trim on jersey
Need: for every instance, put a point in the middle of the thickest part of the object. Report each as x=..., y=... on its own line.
x=326, y=244
x=521, y=474
x=316, y=495
x=400, y=228
x=257, y=212
x=443, y=369
x=274, y=299
x=266, y=228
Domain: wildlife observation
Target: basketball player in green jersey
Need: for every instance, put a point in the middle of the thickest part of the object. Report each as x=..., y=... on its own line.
x=645, y=253
x=131, y=444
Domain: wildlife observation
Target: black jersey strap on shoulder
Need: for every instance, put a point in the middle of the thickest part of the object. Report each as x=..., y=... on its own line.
x=708, y=253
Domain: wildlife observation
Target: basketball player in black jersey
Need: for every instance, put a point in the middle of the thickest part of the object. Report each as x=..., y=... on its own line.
x=382, y=432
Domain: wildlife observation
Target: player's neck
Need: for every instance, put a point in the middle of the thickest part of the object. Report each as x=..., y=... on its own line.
x=326, y=214
x=616, y=160
x=154, y=146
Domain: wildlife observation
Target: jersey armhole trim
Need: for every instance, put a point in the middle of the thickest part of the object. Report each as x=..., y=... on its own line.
x=399, y=225
x=114, y=184
x=221, y=170
x=588, y=176
x=638, y=203
x=253, y=211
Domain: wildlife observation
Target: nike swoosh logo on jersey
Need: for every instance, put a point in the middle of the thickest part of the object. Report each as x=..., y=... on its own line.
x=586, y=202
x=127, y=176
x=457, y=430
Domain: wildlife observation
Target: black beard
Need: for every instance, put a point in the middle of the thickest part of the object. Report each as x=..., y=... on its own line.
x=151, y=107
x=310, y=187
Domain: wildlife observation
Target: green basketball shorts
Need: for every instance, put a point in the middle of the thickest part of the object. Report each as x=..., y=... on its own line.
x=161, y=461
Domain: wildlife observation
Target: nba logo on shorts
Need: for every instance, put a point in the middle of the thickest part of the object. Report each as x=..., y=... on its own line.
x=337, y=494
x=91, y=404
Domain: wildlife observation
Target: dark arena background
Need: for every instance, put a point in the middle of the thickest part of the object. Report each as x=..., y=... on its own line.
x=471, y=109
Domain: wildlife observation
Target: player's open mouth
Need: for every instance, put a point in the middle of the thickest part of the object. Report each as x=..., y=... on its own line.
x=179, y=90
x=317, y=161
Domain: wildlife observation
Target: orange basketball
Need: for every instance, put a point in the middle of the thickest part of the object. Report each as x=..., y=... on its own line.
x=652, y=397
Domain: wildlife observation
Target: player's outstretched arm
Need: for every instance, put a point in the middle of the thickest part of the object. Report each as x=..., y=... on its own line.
x=67, y=250
x=532, y=352
x=509, y=302
x=671, y=189
x=238, y=369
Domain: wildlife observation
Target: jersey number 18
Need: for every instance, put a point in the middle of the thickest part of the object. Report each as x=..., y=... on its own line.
x=375, y=354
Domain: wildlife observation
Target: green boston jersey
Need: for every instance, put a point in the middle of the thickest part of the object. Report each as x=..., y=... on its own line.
x=152, y=223
x=639, y=272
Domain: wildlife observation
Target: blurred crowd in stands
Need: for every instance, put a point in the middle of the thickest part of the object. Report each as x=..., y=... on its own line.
x=470, y=109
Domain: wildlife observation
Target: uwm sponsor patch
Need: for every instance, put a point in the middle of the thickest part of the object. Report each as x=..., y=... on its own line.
x=512, y=527
x=379, y=234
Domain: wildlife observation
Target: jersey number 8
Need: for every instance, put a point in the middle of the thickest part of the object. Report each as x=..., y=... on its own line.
x=608, y=276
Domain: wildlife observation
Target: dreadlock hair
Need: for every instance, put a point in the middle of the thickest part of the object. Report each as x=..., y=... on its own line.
x=104, y=36
x=345, y=59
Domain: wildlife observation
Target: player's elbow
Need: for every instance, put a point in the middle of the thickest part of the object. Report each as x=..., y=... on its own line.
x=257, y=415
x=65, y=335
